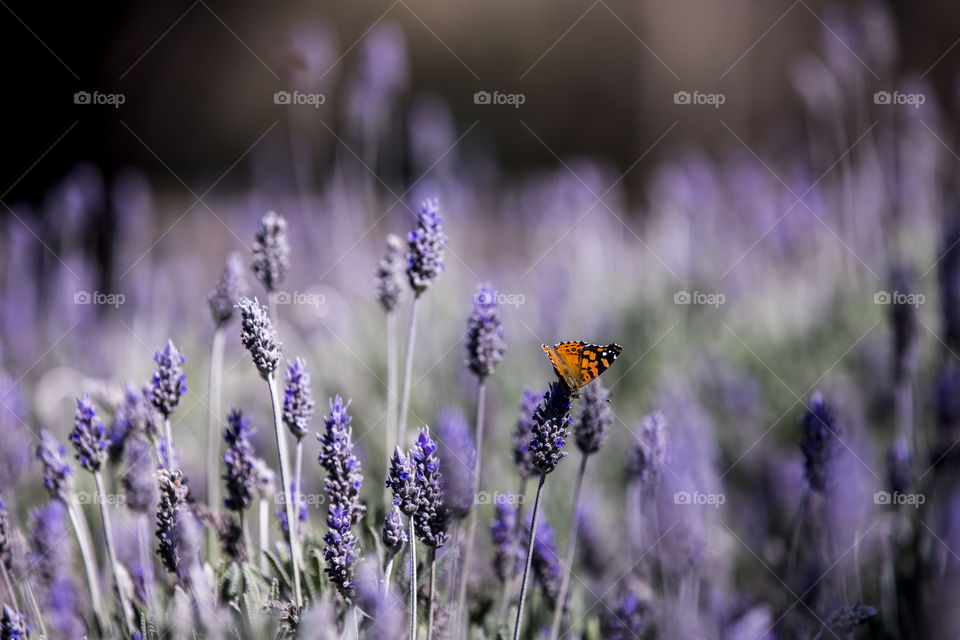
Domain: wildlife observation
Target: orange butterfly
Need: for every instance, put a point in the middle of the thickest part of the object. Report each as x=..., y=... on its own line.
x=577, y=363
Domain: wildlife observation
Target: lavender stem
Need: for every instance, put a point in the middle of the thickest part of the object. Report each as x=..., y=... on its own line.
x=391, y=424
x=388, y=569
x=433, y=579
x=526, y=566
x=36, y=610
x=83, y=541
x=213, y=431
x=298, y=471
x=407, y=372
x=571, y=548
x=125, y=611
x=168, y=434
x=413, y=581
x=264, y=537
x=472, y=517
x=9, y=586
x=508, y=585
x=284, y=483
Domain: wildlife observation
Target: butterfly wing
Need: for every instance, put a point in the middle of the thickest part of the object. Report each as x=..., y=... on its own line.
x=565, y=357
x=595, y=359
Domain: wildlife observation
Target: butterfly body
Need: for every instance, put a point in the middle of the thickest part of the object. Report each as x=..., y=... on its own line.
x=577, y=363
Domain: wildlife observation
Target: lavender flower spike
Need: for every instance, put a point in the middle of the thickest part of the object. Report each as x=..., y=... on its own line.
x=173, y=497
x=340, y=550
x=57, y=476
x=169, y=382
x=13, y=625
x=485, y=345
x=817, y=440
x=89, y=437
x=240, y=474
x=546, y=563
x=648, y=456
x=135, y=417
x=5, y=556
x=297, y=403
x=344, y=474
x=271, y=252
x=595, y=418
x=139, y=485
x=258, y=336
x=401, y=479
x=457, y=462
x=394, y=533
x=507, y=552
x=432, y=517
x=523, y=433
x=425, y=246
x=389, y=278
x=231, y=286
x=550, y=429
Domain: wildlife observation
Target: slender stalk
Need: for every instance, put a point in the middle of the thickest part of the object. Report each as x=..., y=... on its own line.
x=390, y=434
x=407, y=372
x=89, y=566
x=472, y=517
x=263, y=538
x=795, y=536
x=9, y=586
x=388, y=569
x=433, y=589
x=126, y=612
x=168, y=435
x=413, y=582
x=213, y=432
x=143, y=540
x=526, y=566
x=32, y=597
x=508, y=583
x=284, y=482
x=571, y=548
x=298, y=470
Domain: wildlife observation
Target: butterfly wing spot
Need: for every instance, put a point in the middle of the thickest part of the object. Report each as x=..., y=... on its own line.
x=577, y=363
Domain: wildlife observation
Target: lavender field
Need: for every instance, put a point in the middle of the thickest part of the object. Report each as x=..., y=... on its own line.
x=388, y=348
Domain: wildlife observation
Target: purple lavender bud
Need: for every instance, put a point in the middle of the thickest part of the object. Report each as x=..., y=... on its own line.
x=57, y=475
x=340, y=550
x=550, y=429
x=401, y=479
x=169, y=382
x=271, y=252
x=384, y=608
x=546, y=563
x=432, y=517
x=48, y=554
x=232, y=285
x=647, y=459
x=523, y=433
x=899, y=467
x=485, y=345
x=623, y=620
x=425, y=247
x=394, y=533
x=258, y=336
x=595, y=418
x=301, y=512
x=240, y=476
x=139, y=484
x=173, y=497
x=60, y=607
x=389, y=278
x=297, y=403
x=89, y=437
x=818, y=441
x=230, y=535
x=457, y=462
x=845, y=620
x=344, y=473
x=134, y=417
x=13, y=625
x=507, y=549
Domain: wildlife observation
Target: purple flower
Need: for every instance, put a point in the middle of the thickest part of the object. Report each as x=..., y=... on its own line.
x=240, y=476
x=297, y=403
x=623, y=620
x=523, y=433
x=271, y=252
x=134, y=416
x=344, y=473
x=546, y=563
x=389, y=278
x=13, y=625
x=818, y=437
x=595, y=418
x=550, y=429
x=432, y=517
x=394, y=533
x=648, y=456
x=425, y=247
x=258, y=336
x=48, y=554
x=139, y=484
x=485, y=345
x=173, y=498
x=232, y=285
x=899, y=467
x=169, y=382
x=57, y=475
x=401, y=479
x=4, y=534
x=340, y=549
x=507, y=550
x=457, y=462
x=89, y=437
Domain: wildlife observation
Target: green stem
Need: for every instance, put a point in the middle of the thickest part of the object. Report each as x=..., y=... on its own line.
x=213, y=432
x=407, y=372
x=413, y=582
x=433, y=581
x=86, y=554
x=472, y=517
x=390, y=430
x=388, y=570
x=126, y=613
x=264, y=536
x=285, y=487
x=508, y=582
x=9, y=586
x=571, y=548
x=168, y=434
x=526, y=566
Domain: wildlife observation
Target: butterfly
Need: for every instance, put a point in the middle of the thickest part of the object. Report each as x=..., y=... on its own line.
x=577, y=363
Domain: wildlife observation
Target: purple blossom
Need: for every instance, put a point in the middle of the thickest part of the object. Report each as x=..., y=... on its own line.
x=169, y=382
x=134, y=417
x=595, y=418
x=546, y=563
x=89, y=437
x=648, y=456
x=139, y=484
x=389, y=277
x=297, y=403
x=623, y=619
x=258, y=336
x=394, y=534
x=485, y=344
x=5, y=531
x=240, y=476
x=507, y=549
x=231, y=286
x=344, y=472
x=457, y=462
x=523, y=433
x=550, y=429
x=57, y=475
x=425, y=247
x=13, y=625
x=340, y=550
x=818, y=437
x=271, y=251
x=173, y=498
x=401, y=480
x=432, y=516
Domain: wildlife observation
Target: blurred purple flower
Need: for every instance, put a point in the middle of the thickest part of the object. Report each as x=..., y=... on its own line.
x=550, y=429
x=523, y=433
x=485, y=345
x=271, y=251
x=230, y=288
x=13, y=625
x=590, y=430
x=546, y=563
x=139, y=484
x=258, y=336
x=507, y=548
x=648, y=456
x=425, y=247
x=622, y=620
x=432, y=517
x=89, y=437
x=57, y=475
x=134, y=417
x=389, y=277
x=818, y=441
x=297, y=403
x=456, y=462
x=340, y=549
x=240, y=475
x=344, y=473
x=169, y=382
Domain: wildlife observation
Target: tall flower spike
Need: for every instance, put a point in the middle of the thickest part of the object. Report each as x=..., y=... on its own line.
x=271, y=252
x=13, y=625
x=231, y=286
x=4, y=534
x=546, y=562
x=432, y=517
x=389, y=278
x=401, y=480
x=173, y=496
x=297, y=403
x=139, y=485
x=89, y=437
x=595, y=418
x=485, y=345
x=134, y=417
x=344, y=473
x=456, y=462
x=817, y=436
x=523, y=433
x=624, y=619
x=394, y=533
x=425, y=247
x=340, y=550
x=550, y=429
x=258, y=336
x=648, y=457
x=57, y=475
x=240, y=476
x=169, y=382
x=507, y=548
